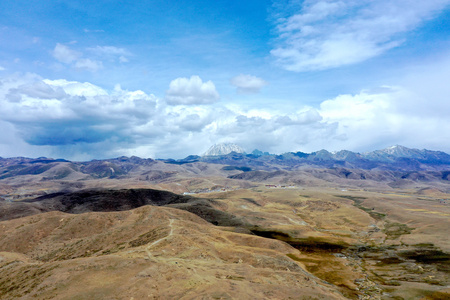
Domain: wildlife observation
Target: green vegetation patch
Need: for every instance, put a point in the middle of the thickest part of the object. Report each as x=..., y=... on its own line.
x=427, y=256
x=309, y=244
x=251, y=200
x=234, y=168
x=389, y=261
x=233, y=277
x=353, y=198
x=424, y=245
x=358, y=204
x=395, y=230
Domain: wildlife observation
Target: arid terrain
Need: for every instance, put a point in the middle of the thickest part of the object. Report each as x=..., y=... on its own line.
x=131, y=228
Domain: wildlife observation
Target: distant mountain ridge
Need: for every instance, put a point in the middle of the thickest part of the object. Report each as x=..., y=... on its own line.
x=395, y=158
x=393, y=167
x=388, y=154
x=392, y=158
x=398, y=151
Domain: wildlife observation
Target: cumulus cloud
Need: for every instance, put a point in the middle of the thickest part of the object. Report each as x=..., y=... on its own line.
x=190, y=119
x=248, y=84
x=376, y=120
x=306, y=116
x=60, y=112
x=75, y=88
x=277, y=133
x=37, y=89
x=327, y=34
x=189, y=91
x=80, y=120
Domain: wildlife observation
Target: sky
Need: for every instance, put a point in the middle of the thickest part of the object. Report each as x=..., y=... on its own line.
x=88, y=80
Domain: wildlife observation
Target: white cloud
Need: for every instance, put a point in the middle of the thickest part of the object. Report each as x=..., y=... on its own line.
x=2, y=68
x=39, y=89
x=248, y=83
x=61, y=113
x=276, y=133
x=328, y=34
x=368, y=121
x=111, y=53
x=74, y=58
x=81, y=120
x=428, y=89
x=189, y=91
x=64, y=54
x=109, y=50
x=302, y=117
x=75, y=88
x=189, y=118
x=88, y=64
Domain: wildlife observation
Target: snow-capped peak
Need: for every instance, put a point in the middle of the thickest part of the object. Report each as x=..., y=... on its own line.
x=223, y=149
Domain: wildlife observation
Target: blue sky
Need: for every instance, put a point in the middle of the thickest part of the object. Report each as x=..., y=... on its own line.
x=96, y=79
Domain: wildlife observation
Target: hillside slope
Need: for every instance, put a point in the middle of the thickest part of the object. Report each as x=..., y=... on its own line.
x=145, y=253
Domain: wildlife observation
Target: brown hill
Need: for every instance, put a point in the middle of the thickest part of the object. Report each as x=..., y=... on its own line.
x=146, y=253
x=116, y=200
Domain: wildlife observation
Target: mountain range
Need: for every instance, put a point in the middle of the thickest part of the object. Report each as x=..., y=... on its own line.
x=392, y=158
x=393, y=167
x=396, y=158
x=227, y=225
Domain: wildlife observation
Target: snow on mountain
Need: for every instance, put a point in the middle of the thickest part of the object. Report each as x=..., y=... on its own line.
x=401, y=151
x=223, y=149
x=397, y=151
